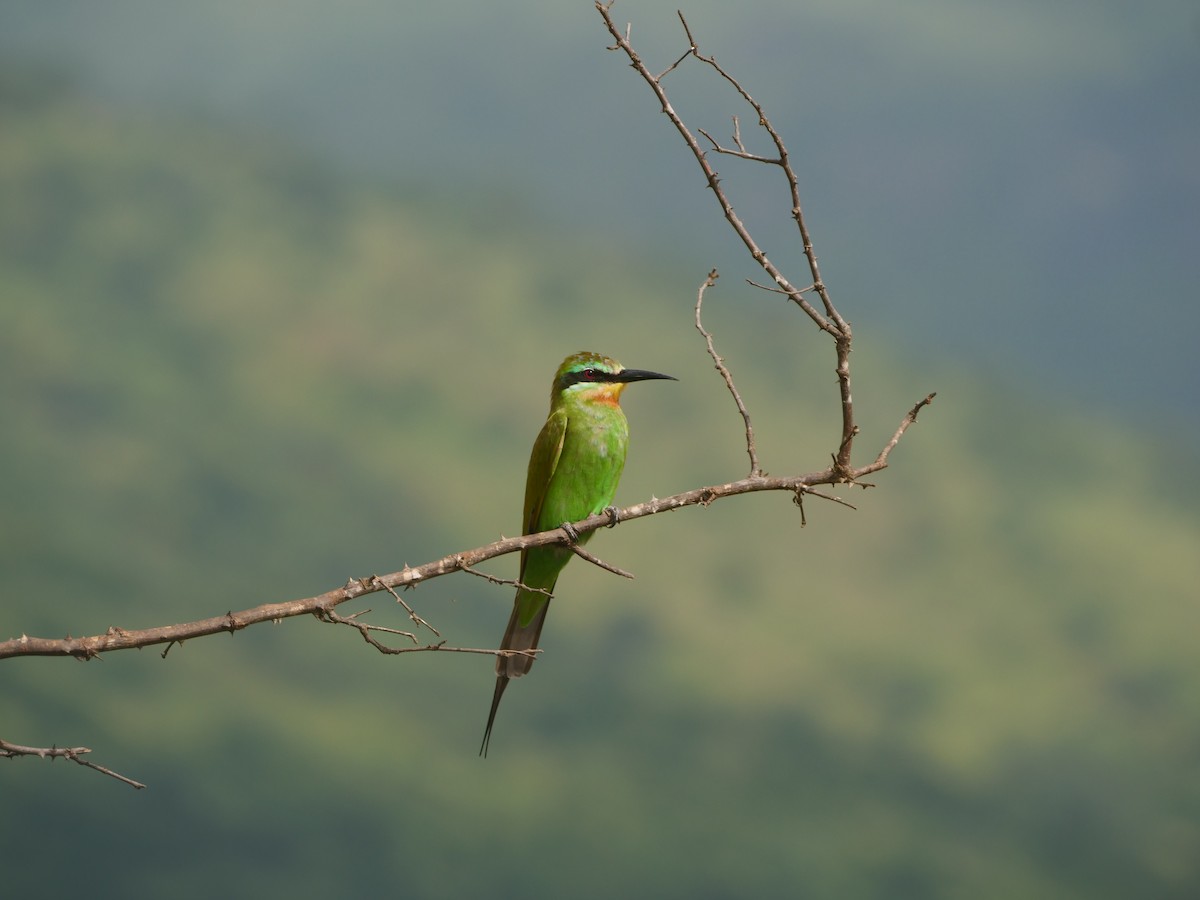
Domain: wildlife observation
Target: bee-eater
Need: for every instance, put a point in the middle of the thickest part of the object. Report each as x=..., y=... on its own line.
x=573, y=472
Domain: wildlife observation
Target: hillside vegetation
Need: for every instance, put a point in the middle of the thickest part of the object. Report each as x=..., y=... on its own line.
x=229, y=376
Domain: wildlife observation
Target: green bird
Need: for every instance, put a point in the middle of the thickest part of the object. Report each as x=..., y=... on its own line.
x=573, y=472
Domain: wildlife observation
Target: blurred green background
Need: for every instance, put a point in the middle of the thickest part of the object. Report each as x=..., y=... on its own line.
x=283, y=288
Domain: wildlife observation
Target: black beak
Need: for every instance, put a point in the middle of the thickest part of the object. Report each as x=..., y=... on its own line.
x=628, y=375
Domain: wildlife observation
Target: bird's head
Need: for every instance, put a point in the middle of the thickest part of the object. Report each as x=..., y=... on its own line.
x=595, y=378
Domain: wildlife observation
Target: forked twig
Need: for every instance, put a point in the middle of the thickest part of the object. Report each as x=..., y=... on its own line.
x=830, y=320
x=365, y=629
x=417, y=620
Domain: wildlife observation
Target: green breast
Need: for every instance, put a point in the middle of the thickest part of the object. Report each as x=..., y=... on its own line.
x=593, y=455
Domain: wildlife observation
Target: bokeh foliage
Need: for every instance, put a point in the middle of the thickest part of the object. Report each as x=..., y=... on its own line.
x=230, y=375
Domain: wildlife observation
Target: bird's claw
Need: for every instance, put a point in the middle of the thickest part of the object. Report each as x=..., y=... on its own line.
x=571, y=533
x=614, y=516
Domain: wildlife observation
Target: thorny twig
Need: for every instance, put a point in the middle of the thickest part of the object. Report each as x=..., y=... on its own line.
x=417, y=620
x=74, y=754
x=509, y=581
x=830, y=320
x=755, y=468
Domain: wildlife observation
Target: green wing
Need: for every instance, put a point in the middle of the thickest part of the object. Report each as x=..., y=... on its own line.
x=530, y=607
x=543, y=461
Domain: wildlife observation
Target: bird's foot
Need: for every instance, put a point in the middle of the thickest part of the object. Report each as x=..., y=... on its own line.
x=614, y=516
x=570, y=532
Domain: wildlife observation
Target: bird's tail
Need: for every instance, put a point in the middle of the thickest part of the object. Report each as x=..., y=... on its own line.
x=519, y=636
x=516, y=637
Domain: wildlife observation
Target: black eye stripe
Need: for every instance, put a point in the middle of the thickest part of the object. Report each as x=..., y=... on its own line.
x=590, y=375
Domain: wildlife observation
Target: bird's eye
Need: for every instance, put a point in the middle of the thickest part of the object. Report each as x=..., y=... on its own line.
x=589, y=374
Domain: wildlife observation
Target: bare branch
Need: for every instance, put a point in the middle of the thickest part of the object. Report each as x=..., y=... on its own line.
x=410, y=576
x=831, y=321
x=578, y=550
x=774, y=290
x=710, y=174
x=830, y=497
x=365, y=629
x=741, y=152
x=910, y=419
x=755, y=468
x=509, y=581
x=74, y=754
x=417, y=620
